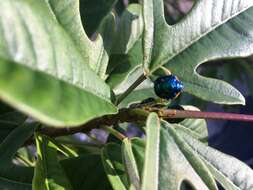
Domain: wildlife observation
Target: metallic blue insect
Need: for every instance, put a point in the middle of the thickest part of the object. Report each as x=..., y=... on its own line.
x=168, y=87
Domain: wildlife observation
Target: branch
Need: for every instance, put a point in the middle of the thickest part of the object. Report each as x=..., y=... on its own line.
x=124, y=115
x=114, y=132
x=140, y=115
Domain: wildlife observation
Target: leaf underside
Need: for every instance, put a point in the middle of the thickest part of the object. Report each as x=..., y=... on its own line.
x=213, y=30
x=42, y=71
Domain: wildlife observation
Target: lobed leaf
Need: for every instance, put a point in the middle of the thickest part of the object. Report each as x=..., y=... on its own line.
x=228, y=171
x=42, y=71
x=127, y=53
x=212, y=30
x=129, y=30
x=196, y=163
x=93, y=52
x=167, y=150
x=175, y=174
x=181, y=160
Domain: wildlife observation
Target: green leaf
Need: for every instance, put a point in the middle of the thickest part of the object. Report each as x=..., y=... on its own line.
x=54, y=102
x=77, y=146
x=93, y=52
x=92, y=14
x=26, y=156
x=5, y=130
x=174, y=166
x=197, y=128
x=9, y=120
x=124, y=65
x=137, y=96
x=9, y=116
x=143, y=91
x=151, y=163
x=138, y=148
x=13, y=185
x=173, y=159
x=231, y=173
x=130, y=164
x=147, y=84
x=197, y=164
x=185, y=160
x=130, y=29
x=127, y=49
x=86, y=172
x=12, y=176
x=48, y=174
x=125, y=84
x=14, y=141
x=42, y=72
x=64, y=149
x=171, y=153
x=107, y=31
x=212, y=30
x=114, y=167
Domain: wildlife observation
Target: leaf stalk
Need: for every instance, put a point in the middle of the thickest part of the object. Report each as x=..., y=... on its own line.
x=130, y=89
x=114, y=132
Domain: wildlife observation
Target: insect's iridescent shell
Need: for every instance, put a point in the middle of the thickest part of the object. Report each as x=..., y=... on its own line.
x=168, y=87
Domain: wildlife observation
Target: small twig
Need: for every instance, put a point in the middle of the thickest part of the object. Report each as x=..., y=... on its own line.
x=24, y=160
x=114, y=132
x=124, y=115
x=130, y=89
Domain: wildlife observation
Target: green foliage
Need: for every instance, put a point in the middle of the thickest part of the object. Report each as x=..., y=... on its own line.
x=37, y=73
x=197, y=128
x=9, y=120
x=130, y=164
x=127, y=47
x=219, y=32
x=84, y=172
x=196, y=163
x=92, y=14
x=228, y=171
x=150, y=170
x=12, y=176
x=48, y=173
x=64, y=64
x=114, y=168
